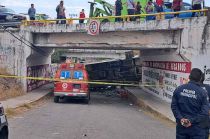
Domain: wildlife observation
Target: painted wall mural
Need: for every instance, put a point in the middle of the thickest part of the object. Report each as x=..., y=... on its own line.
x=163, y=77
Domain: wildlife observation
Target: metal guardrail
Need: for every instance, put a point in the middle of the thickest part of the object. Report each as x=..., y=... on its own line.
x=124, y=17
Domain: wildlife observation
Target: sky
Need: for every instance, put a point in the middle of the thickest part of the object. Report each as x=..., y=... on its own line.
x=48, y=6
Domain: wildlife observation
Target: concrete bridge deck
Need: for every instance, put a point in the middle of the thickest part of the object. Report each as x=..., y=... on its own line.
x=155, y=34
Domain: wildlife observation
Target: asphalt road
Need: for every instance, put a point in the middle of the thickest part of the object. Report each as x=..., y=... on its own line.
x=104, y=118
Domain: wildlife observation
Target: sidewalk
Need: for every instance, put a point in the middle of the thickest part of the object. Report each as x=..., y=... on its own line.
x=151, y=102
x=28, y=97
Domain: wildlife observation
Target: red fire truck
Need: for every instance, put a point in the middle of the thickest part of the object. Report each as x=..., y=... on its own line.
x=71, y=81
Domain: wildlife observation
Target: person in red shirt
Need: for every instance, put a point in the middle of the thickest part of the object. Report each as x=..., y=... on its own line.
x=82, y=16
x=159, y=5
x=177, y=4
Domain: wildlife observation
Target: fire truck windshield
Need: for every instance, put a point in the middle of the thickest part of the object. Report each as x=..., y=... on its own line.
x=78, y=75
x=65, y=74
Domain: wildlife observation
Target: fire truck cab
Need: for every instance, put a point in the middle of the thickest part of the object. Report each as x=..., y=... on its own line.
x=71, y=81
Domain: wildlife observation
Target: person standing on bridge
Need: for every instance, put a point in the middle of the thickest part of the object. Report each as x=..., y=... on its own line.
x=118, y=8
x=196, y=5
x=131, y=8
x=149, y=8
x=82, y=16
x=138, y=10
x=206, y=87
x=177, y=4
x=32, y=12
x=60, y=9
x=159, y=5
x=190, y=108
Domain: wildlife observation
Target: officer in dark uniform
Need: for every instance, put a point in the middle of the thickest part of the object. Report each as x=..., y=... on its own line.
x=190, y=108
x=206, y=87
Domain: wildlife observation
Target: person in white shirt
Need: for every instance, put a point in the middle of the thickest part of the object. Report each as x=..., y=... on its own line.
x=131, y=8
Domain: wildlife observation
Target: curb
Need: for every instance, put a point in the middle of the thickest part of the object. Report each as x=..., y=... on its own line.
x=39, y=99
x=19, y=109
x=143, y=105
x=33, y=101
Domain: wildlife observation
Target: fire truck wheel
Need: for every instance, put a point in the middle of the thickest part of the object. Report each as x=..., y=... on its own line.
x=56, y=99
x=87, y=100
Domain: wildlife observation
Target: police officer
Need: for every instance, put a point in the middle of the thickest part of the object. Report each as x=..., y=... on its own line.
x=190, y=108
x=206, y=87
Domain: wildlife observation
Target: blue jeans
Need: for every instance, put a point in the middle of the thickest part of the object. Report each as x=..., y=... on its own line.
x=61, y=21
x=193, y=132
x=131, y=12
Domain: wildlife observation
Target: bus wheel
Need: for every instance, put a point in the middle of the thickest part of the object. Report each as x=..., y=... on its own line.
x=56, y=99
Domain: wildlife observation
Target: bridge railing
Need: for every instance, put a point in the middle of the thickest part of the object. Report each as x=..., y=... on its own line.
x=158, y=16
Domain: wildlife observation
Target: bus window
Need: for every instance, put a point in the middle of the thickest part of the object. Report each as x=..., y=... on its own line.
x=78, y=75
x=65, y=74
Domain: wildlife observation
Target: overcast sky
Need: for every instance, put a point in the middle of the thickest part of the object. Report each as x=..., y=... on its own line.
x=48, y=6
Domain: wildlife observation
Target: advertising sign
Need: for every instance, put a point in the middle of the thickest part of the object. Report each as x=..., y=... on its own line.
x=163, y=77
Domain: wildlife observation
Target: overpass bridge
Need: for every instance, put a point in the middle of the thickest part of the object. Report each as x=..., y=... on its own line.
x=165, y=45
x=92, y=53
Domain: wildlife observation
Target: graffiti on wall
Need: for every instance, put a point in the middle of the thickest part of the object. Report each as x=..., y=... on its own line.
x=163, y=77
x=43, y=71
x=6, y=53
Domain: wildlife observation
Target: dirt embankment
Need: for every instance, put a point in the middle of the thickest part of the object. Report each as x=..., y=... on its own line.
x=9, y=87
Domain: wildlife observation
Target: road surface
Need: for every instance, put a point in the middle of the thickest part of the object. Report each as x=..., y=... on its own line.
x=104, y=118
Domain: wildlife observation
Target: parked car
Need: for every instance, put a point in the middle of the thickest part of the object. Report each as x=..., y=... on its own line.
x=168, y=8
x=185, y=7
x=8, y=17
x=4, y=132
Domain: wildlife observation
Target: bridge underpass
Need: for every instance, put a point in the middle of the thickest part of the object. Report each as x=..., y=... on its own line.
x=165, y=45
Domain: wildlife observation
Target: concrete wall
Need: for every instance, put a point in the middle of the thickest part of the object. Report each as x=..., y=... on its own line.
x=13, y=54
x=16, y=56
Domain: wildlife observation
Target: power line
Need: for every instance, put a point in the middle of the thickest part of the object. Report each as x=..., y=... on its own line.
x=32, y=46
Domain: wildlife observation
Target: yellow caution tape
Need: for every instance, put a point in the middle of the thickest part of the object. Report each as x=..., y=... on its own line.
x=77, y=81
x=25, y=22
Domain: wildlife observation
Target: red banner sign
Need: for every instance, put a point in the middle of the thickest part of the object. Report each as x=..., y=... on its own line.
x=184, y=67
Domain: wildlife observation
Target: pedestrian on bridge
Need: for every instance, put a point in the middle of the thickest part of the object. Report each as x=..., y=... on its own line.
x=190, y=108
x=159, y=5
x=138, y=10
x=149, y=8
x=82, y=16
x=197, y=5
x=118, y=8
x=60, y=9
x=177, y=4
x=32, y=12
x=131, y=8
